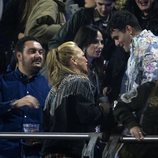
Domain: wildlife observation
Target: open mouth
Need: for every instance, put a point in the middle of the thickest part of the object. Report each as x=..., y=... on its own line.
x=38, y=62
x=98, y=52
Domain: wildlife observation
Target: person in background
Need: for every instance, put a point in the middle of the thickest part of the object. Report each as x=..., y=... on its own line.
x=120, y=4
x=70, y=105
x=98, y=15
x=12, y=28
x=45, y=19
x=71, y=6
x=142, y=64
x=22, y=97
x=146, y=13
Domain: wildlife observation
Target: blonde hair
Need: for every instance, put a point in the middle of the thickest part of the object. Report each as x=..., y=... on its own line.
x=58, y=62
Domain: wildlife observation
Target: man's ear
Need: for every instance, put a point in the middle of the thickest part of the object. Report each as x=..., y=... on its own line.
x=18, y=56
x=129, y=29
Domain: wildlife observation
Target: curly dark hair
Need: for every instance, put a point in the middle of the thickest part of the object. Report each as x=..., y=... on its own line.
x=120, y=19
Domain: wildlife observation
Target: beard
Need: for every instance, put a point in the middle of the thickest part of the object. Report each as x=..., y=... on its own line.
x=32, y=68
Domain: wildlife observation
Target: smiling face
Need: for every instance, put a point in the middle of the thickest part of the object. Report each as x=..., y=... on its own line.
x=30, y=61
x=144, y=5
x=122, y=39
x=94, y=49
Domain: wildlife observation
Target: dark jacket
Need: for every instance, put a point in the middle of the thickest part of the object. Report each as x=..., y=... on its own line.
x=67, y=33
x=71, y=108
x=130, y=113
x=124, y=111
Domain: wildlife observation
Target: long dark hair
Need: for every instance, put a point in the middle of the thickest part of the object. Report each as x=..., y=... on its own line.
x=86, y=35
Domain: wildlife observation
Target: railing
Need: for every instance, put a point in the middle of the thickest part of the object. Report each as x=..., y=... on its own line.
x=147, y=139
x=88, y=149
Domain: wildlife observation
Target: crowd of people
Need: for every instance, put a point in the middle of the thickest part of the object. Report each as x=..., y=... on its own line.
x=78, y=66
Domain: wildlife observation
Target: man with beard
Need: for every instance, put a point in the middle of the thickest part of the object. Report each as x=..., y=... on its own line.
x=22, y=96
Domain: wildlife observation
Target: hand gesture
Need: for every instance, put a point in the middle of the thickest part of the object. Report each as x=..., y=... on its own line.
x=28, y=100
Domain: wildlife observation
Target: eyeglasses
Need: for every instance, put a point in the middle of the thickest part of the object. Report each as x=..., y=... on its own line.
x=34, y=50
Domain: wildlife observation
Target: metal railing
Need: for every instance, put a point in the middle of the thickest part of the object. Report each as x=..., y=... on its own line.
x=88, y=149
x=147, y=139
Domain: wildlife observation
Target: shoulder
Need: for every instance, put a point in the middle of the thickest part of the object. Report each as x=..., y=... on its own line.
x=85, y=12
x=8, y=76
x=41, y=81
x=76, y=85
x=76, y=80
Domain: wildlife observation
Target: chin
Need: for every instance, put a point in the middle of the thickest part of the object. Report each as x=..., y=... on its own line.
x=36, y=69
x=126, y=49
x=97, y=56
x=85, y=72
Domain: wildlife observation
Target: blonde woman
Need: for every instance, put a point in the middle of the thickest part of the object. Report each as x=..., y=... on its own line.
x=70, y=105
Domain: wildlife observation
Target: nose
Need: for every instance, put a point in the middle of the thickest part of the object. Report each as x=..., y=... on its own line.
x=103, y=7
x=101, y=45
x=85, y=59
x=37, y=53
x=117, y=43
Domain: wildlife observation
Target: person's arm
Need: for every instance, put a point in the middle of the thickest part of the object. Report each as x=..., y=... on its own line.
x=70, y=28
x=150, y=64
x=87, y=111
x=123, y=111
x=86, y=108
x=6, y=106
x=44, y=21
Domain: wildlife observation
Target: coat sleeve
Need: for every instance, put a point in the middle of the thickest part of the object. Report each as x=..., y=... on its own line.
x=124, y=112
x=44, y=21
x=69, y=30
x=87, y=110
x=5, y=106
